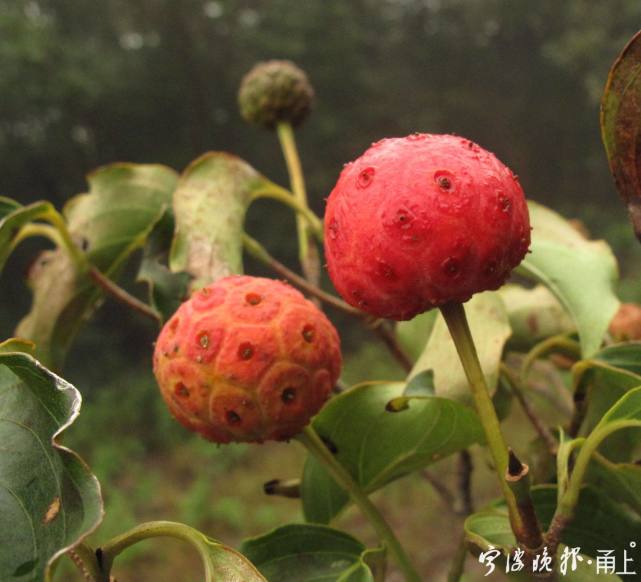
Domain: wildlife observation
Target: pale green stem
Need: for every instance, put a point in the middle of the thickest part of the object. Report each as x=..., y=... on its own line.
x=557, y=342
x=454, y=315
x=37, y=229
x=297, y=181
x=152, y=529
x=77, y=256
x=279, y=194
x=312, y=442
x=570, y=498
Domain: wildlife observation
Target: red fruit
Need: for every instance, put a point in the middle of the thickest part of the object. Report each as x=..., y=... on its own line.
x=420, y=221
x=247, y=359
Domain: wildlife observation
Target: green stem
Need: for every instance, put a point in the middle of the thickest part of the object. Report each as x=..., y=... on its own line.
x=570, y=497
x=560, y=343
x=276, y=192
x=297, y=181
x=312, y=442
x=518, y=479
x=37, y=229
x=123, y=296
x=152, y=529
x=518, y=390
x=77, y=256
x=454, y=315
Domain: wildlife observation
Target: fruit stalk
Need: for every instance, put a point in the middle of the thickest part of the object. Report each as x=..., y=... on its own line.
x=312, y=442
x=454, y=315
x=307, y=249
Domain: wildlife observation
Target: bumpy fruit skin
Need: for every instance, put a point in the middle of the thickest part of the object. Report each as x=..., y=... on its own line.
x=420, y=221
x=275, y=91
x=246, y=359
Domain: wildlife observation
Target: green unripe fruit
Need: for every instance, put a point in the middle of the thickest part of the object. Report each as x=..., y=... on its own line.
x=275, y=91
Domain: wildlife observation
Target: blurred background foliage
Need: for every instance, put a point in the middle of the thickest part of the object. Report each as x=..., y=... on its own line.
x=87, y=83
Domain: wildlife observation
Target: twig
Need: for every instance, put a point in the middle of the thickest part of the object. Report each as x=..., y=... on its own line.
x=458, y=562
x=256, y=250
x=553, y=535
x=283, y=488
x=379, y=326
x=443, y=492
x=465, y=468
x=517, y=477
x=121, y=295
x=542, y=430
x=382, y=329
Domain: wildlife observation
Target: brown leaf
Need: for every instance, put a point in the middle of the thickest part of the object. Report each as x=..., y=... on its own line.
x=621, y=127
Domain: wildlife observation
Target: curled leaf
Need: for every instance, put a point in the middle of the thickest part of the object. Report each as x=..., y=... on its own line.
x=109, y=223
x=299, y=552
x=377, y=446
x=49, y=500
x=581, y=273
x=621, y=125
x=210, y=203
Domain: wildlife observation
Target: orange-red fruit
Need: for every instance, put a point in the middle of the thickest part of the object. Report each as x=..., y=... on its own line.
x=247, y=359
x=420, y=221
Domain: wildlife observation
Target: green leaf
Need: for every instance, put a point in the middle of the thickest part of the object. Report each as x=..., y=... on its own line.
x=47, y=494
x=420, y=386
x=534, y=314
x=7, y=206
x=413, y=334
x=490, y=329
x=17, y=345
x=603, y=379
x=377, y=446
x=220, y=562
x=620, y=481
x=598, y=524
x=224, y=563
x=624, y=356
x=13, y=217
x=304, y=552
x=625, y=413
x=210, y=205
x=124, y=203
x=620, y=126
x=167, y=290
x=580, y=273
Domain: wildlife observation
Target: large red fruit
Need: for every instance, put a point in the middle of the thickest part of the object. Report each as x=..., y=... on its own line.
x=247, y=359
x=420, y=221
